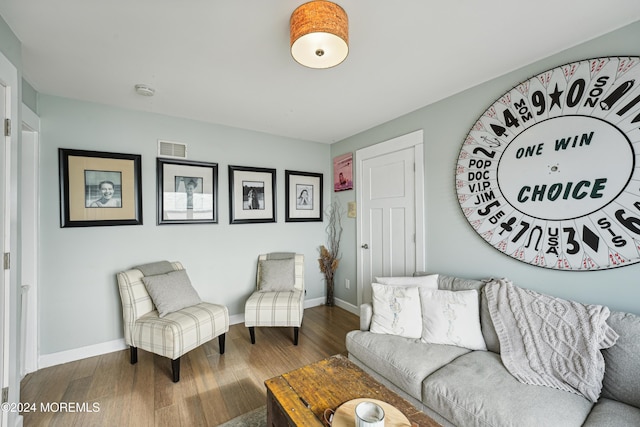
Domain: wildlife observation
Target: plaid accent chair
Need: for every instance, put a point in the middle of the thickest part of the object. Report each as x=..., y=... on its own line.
x=174, y=334
x=279, y=296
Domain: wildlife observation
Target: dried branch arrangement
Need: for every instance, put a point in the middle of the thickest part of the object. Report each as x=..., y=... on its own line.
x=330, y=256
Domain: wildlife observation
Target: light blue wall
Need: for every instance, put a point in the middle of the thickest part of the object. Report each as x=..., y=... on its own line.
x=452, y=246
x=29, y=96
x=10, y=45
x=79, y=300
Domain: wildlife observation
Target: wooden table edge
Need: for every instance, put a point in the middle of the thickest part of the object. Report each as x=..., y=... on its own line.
x=296, y=411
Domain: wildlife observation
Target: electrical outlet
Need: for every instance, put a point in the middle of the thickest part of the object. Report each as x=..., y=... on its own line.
x=347, y=283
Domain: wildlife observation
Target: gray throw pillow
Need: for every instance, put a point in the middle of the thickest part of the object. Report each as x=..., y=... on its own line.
x=171, y=292
x=276, y=275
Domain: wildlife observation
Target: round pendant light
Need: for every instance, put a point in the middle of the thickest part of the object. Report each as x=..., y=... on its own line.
x=319, y=34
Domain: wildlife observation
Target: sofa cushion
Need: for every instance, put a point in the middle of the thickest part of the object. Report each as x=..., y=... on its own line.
x=451, y=283
x=396, y=311
x=476, y=389
x=402, y=361
x=451, y=317
x=623, y=358
x=428, y=281
x=609, y=413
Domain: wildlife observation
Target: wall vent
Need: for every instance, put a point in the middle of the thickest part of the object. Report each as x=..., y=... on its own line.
x=172, y=149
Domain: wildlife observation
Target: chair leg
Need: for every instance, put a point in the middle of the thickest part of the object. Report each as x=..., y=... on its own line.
x=134, y=354
x=252, y=332
x=296, y=331
x=175, y=367
x=221, y=340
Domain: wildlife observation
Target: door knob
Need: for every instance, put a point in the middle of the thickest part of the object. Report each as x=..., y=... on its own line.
x=365, y=246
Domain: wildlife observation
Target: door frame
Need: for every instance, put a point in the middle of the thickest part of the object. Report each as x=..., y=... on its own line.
x=30, y=178
x=416, y=140
x=8, y=237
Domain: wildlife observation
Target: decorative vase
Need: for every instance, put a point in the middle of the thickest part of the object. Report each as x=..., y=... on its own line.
x=329, y=301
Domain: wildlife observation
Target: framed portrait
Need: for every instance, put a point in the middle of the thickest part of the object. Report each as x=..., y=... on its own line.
x=252, y=195
x=343, y=172
x=187, y=192
x=99, y=188
x=303, y=196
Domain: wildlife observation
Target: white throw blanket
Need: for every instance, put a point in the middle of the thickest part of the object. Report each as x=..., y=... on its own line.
x=549, y=341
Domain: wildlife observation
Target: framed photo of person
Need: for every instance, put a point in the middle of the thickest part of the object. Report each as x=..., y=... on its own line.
x=303, y=192
x=343, y=172
x=187, y=192
x=252, y=195
x=99, y=188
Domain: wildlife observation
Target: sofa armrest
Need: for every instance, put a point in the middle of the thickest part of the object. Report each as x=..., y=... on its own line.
x=366, y=313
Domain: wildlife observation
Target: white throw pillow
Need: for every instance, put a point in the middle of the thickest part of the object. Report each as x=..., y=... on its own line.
x=451, y=317
x=430, y=281
x=396, y=311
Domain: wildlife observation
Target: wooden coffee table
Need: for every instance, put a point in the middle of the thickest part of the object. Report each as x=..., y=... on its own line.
x=300, y=397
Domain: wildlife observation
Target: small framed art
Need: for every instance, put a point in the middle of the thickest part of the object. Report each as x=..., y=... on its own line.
x=343, y=172
x=303, y=196
x=187, y=192
x=252, y=195
x=99, y=188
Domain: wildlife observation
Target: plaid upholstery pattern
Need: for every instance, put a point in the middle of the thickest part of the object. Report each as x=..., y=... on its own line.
x=283, y=308
x=176, y=333
x=180, y=331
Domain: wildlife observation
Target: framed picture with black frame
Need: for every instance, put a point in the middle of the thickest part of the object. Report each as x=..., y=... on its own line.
x=252, y=195
x=303, y=193
x=99, y=188
x=187, y=192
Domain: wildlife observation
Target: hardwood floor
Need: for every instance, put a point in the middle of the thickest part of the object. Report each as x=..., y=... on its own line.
x=108, y=391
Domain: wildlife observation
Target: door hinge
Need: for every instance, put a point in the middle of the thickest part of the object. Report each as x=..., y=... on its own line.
x=5, y=395
x=7, y=127
x=7, y=260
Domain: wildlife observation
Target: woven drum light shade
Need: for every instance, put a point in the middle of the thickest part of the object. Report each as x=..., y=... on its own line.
x=319, y=34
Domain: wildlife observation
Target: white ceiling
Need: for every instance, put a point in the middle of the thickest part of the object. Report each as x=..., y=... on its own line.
x=228, y=61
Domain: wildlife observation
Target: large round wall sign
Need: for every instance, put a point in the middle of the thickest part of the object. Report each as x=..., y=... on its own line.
x=548, y=173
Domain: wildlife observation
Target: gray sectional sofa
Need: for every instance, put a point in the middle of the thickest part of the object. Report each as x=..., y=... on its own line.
x=461, y=387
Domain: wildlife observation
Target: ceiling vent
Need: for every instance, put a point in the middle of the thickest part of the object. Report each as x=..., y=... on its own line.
x=172, y=149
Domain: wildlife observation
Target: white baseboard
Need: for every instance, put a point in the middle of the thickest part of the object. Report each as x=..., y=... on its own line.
x=338, y=302
x=236, y=318
x=308, y=303
x=348, y=306
x=52, y=359
x=46, y=360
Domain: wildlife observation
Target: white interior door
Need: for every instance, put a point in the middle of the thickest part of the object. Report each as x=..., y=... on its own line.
x=390, y=215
